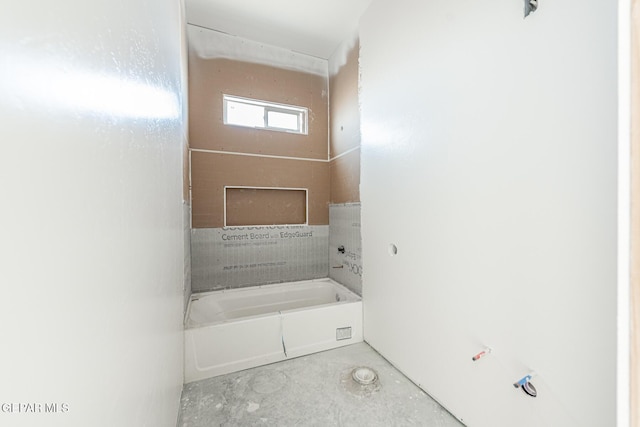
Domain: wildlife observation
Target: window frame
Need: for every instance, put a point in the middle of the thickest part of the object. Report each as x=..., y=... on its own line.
x=302, y=114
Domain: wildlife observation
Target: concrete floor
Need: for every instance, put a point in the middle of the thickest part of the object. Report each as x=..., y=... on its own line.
x=314, y=390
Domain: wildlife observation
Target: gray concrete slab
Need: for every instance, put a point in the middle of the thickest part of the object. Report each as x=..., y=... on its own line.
x=314, y=390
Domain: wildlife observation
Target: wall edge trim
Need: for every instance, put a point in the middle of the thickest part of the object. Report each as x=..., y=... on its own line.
x=268, y=156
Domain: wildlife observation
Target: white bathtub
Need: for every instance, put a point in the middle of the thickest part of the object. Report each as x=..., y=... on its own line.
x=231, y=330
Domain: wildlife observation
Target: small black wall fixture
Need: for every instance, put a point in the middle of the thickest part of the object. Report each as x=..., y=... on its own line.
x=530, y=6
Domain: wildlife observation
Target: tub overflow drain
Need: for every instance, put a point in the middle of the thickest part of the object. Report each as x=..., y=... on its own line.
x=364, y=376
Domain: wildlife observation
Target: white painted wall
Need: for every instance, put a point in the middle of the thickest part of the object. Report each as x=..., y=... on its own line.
x=489, y=159
x=91, y=266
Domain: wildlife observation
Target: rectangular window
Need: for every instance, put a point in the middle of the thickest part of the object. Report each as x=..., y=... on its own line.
x=258, y=114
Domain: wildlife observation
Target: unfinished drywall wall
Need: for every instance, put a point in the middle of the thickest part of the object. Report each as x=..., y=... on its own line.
x=345, y=177
x=231, y=156
x=345, y=248
x=186, y=173
x=635, y=215
x=211, y=77
x=211, y=172
x=344, y=110
x=92, y=262
x=220, y=64
x=489, y=162
x=248, y=206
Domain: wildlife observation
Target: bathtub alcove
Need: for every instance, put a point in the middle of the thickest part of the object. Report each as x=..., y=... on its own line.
x=231, y=330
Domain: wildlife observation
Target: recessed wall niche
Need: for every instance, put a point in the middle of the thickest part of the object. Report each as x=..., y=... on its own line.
x=254, y=206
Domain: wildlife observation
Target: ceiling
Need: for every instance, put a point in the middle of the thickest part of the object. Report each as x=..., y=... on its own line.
x=312, y=27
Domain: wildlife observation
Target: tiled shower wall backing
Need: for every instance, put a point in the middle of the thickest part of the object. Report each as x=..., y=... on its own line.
x=344, y=231
x=186, y=223
x=235, y=257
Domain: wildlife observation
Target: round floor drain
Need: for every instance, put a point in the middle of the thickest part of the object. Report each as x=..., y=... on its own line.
x=364, y=376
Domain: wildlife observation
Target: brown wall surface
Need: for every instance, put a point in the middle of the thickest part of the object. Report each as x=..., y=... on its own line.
x=211, y=172
x=254, y=206
x=210, y=79
x=345, y=178
x=344, y=109
x=211, y=75
x=345, y=130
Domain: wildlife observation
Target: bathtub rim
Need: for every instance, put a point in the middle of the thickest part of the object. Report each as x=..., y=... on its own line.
x=356, y=299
